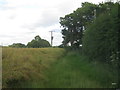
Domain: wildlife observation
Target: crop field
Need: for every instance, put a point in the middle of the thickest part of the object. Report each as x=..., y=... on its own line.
x=27, y=65
x=53, y=68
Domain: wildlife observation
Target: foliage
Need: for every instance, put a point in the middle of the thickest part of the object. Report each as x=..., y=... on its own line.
x=37, y=42
x=17, y=45
x=75, y=24
x=94, y=26
x=75, y=71
x=100, y=41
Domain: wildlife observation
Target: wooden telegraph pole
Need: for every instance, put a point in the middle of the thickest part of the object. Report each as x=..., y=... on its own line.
x=51, y=37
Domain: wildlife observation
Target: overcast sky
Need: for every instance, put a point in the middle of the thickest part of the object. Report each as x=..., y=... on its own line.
x=22, y=20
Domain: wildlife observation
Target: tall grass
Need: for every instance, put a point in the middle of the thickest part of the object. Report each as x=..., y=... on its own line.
x=53, y=68
x=23, y=65
x=75, y=71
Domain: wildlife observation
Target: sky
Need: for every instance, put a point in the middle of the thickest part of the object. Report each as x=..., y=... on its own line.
x=22, y=20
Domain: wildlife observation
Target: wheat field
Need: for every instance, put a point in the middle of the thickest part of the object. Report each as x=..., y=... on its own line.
x=27, y=64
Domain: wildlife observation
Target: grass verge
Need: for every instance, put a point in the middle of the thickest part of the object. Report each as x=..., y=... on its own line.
x=75, y=71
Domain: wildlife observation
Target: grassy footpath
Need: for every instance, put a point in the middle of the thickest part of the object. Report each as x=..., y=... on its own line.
x=75, y=71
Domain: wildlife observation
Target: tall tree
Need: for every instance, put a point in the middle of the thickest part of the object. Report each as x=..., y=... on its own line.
x=73, y=24
x=37, y=42
x=101, y=37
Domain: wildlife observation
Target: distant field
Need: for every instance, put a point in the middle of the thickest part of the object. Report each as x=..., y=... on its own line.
x=27, y=64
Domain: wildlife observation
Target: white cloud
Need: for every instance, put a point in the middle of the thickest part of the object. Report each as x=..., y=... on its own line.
x=22, y=20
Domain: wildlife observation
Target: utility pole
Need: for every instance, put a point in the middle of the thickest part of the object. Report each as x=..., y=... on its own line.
x=51, y=37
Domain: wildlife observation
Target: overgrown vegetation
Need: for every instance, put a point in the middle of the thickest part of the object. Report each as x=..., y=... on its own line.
x=75, y=71
x=100, y=41
x=96, y=28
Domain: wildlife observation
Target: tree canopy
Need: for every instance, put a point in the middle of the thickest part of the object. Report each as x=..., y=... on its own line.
x=37, y=42
x=101, y=37
x=17, y=45
x=95, y=26
x=75, y=24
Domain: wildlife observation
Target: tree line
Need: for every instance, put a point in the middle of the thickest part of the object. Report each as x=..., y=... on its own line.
x=95, y=27
x=37, y=42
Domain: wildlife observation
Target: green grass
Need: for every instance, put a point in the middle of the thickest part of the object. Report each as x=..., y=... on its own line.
x=75, y=71
x=53, y=68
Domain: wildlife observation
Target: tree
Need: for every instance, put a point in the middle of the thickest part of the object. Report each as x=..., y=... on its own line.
x=100, y=41
x=17, y=45
x=37, y=38
x=37, y=42
x=45, y=43
x=73, y=24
